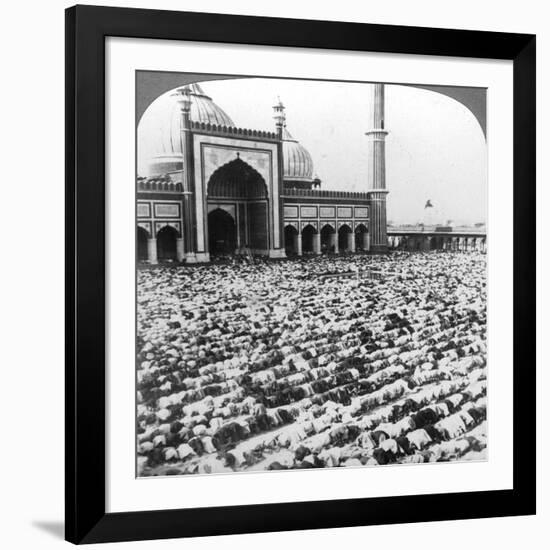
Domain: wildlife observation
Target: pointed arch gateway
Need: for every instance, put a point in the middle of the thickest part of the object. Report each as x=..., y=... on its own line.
x=239, y=188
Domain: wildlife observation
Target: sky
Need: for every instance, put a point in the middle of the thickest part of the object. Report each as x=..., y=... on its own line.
x=435, y=149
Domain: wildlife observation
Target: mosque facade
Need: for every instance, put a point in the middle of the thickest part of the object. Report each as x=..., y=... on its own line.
x=215, y=189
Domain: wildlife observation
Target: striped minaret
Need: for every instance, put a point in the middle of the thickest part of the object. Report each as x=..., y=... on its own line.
x=377, y=173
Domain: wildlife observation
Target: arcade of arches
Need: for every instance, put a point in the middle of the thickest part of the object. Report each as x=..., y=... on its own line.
x=224, y=239
x=446, y=242
x=312, y=241
x=167, y=246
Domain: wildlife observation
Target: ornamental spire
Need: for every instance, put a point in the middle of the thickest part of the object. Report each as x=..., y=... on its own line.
x=279, y=116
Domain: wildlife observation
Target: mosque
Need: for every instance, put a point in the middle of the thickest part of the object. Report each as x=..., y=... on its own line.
x=215, y=189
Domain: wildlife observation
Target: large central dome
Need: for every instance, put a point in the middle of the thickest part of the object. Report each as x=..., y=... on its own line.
x=167, y=142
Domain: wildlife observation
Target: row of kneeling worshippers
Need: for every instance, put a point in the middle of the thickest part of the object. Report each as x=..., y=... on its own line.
x=260, y=355
x=406, y=431
x=366, y=429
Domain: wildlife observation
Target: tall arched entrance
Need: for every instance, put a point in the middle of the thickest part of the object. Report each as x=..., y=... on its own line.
x=222, y=232
x=237, y=187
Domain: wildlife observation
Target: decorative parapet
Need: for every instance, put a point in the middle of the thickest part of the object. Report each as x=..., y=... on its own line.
x=162, y=184
x=324, y=194
x=233, y=132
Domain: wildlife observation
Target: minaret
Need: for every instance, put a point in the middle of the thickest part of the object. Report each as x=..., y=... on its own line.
x=279, y=116
x=377, y=173
x=280, y=123
x=183, y=97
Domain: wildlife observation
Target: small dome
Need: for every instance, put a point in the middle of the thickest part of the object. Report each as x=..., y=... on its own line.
x=297, y=162
x=167, y=141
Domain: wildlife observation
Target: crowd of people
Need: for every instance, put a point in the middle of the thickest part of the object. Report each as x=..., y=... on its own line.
x=311, y=363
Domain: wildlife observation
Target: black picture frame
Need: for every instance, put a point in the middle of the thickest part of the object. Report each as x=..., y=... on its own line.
x=86, y=30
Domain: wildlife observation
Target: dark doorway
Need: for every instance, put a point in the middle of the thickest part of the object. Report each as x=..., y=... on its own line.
x=307, y=239
x=343, y=233
x=222, y=233
x=142, y=237
x=326, y=239
x=166, y=244
x=290, y=235
x=361, y=233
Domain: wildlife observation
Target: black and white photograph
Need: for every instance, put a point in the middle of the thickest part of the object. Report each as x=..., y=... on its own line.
x=274, y=275
x=311, y=274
